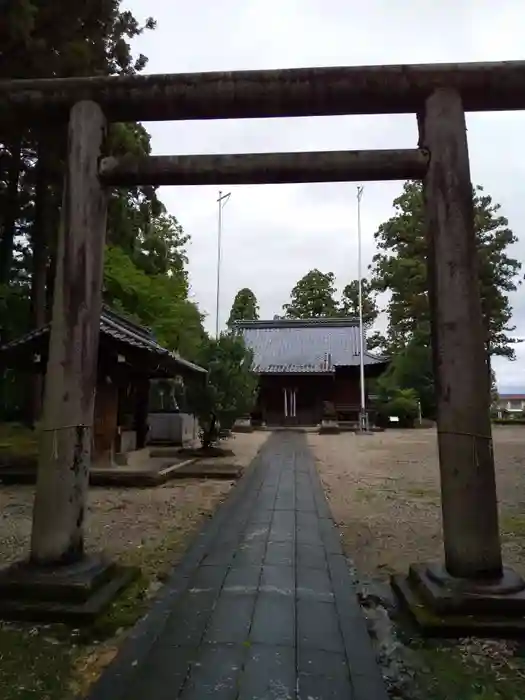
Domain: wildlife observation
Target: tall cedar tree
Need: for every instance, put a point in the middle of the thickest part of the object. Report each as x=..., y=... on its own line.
x=244, y=308
x=400, y=268
x=313, y=297
x=350, y=301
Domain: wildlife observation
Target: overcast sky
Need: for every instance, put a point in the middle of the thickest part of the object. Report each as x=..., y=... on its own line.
x=274, y=234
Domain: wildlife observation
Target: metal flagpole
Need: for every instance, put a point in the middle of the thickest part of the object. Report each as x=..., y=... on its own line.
x=223, y=198
x=363, y=417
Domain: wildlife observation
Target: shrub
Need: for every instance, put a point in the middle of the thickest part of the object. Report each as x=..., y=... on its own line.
x=509, y=421
x=402, y=403
x=229, y=390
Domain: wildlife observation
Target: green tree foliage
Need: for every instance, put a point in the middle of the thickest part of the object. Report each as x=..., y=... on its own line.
x=313, y=297
x=411, y=368
x=230, y=390
x=401, y=403
x=137, y=219
x=60, y=39
x=376, y=342
x=159, y=301
x=349, y=305
x=145, y=268
x=42, y=39
x=400, y=268
x=244, y=308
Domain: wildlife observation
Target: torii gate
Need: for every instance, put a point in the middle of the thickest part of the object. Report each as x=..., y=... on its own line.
x=472, y=579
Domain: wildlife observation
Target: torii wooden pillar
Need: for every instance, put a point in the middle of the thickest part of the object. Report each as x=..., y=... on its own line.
x=472, y=580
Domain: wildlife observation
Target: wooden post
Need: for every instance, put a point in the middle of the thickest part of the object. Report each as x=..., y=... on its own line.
x=468, y=487
x=141, y=410
x=65, y=450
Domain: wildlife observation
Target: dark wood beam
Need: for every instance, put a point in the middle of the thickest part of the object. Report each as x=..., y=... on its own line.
x=259, y=168
x=291, y=92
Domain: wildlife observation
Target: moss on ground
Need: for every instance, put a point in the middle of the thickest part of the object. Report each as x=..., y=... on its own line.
x=54, y=662
x=364, y=494
x=451, y=673
x=421, y=493
x=34, y=664
x=513, y=526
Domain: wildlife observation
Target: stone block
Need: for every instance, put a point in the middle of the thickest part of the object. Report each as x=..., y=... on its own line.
x=329, y=427
x=243, y=425
x=445, y=606
x=75, y=594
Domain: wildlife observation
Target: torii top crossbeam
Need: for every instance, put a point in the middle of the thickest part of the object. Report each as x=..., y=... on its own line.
x=271, y=93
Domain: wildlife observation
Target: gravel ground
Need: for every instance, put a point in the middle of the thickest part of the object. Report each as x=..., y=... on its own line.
x=131, y=524
x=146, y=527
x=384, y=493
x=245, y=446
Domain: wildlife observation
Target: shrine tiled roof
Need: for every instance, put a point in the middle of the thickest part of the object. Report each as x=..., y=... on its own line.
x=120, y=329
x=305, y=346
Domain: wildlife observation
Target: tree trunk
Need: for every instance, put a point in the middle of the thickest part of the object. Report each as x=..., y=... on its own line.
x=468, y=487
x=208, y=436
x=51, y=272
x=11, y=212
x=65, y=451
x=39, y=236
x=59, y=146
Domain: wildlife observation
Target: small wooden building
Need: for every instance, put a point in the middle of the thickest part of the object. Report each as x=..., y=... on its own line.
x=303, y=363
x=128, y=358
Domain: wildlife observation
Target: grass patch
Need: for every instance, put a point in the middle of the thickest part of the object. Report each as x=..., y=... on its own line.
x=34, y=664
x=513, y=525
x=364, y=495
x=450, y=674
x=129, y=607
x=55, y=662
x=421, y=493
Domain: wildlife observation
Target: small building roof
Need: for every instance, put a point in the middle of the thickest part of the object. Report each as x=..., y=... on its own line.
x=115, y=327
x=304, y=346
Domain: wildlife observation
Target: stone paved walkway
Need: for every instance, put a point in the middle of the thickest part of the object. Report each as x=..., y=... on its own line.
x=262, y=606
